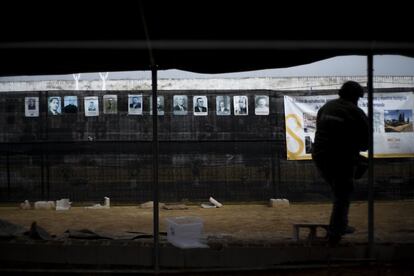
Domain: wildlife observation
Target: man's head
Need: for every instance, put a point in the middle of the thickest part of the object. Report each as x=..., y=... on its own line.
x=261, y=102
x=351, y=91
x=180, y=100
x=200, y=101
x=135, y=99
x=54, y=103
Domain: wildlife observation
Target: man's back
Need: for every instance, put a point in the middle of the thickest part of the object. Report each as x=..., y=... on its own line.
x=341, y=130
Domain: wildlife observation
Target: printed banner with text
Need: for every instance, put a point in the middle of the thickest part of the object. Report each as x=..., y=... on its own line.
x=393, y=124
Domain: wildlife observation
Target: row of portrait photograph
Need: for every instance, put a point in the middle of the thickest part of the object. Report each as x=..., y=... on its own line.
x=180, y=105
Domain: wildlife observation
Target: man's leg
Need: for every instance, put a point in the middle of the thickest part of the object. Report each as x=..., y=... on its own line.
x=340, y=178
x=342, y=191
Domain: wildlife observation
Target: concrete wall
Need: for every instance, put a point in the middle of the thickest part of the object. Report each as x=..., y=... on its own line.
x=230, y=157
x=277, y=83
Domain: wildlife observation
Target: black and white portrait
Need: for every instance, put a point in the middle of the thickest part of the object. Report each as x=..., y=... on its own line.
x=200, y=105
x=54, y=104
x=91, y=106
x=110, y=104
x=70, y=104
x=261, y=105
x=180, y=106
x=160, y=105
x=241, y=105
x=31, y=106
x=135, y=104
x=223, y=105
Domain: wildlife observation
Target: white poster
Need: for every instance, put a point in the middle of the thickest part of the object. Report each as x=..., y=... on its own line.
x=91, y=106
x=160, y=105
x=31, y=106
x=261, y=105
x=135, y=104
x=180, y=106
x=393, y=127
x=223, y=105
x=54, y=105
x=241, y=105
x=110, y=104
x=200, y=105
x=70, y=104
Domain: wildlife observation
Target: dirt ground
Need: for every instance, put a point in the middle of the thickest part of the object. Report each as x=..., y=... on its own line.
x=394, y=221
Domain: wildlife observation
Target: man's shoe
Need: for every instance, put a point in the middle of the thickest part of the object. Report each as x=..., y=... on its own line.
x=333, y=240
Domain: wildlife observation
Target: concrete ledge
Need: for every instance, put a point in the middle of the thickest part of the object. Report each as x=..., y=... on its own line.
x=139, y=255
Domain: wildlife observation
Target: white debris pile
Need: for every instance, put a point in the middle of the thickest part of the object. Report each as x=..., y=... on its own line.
x=46, y=205
x=279, y=202
x=150, y=205
x=208, y=205
x=63, y=204
x=215, y=202
x=106, y=205
x=25, y=205
x=211, y=204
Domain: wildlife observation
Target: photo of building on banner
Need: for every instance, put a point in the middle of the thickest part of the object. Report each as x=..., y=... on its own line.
x=393, y=126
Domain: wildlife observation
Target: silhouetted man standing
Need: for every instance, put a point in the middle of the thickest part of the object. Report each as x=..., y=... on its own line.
x=341, y=133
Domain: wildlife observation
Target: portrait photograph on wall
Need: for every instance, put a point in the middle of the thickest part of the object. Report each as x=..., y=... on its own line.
x=91, y=106
x=261, y=105
x=110, y=104
x=223, y=104
x=54, y=105
x=70, y=104
x=241, y=105
x=135, y=104
x=31, y=106
x=200, y=105
x=180, y=106
x=160, y=105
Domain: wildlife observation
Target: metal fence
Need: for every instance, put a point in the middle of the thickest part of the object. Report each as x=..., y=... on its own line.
x=233, y=158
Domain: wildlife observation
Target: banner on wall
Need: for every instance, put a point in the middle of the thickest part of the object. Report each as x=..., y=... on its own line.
x=393, y=124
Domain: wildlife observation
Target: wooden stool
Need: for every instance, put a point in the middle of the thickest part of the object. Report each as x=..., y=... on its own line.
x=312, y=231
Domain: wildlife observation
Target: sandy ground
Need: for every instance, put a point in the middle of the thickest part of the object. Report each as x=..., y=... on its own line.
x=394, y=221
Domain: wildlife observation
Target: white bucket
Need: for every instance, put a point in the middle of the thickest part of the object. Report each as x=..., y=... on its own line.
x=185, y=232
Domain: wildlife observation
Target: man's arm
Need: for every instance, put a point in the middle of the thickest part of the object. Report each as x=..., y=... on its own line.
x=363, y=131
